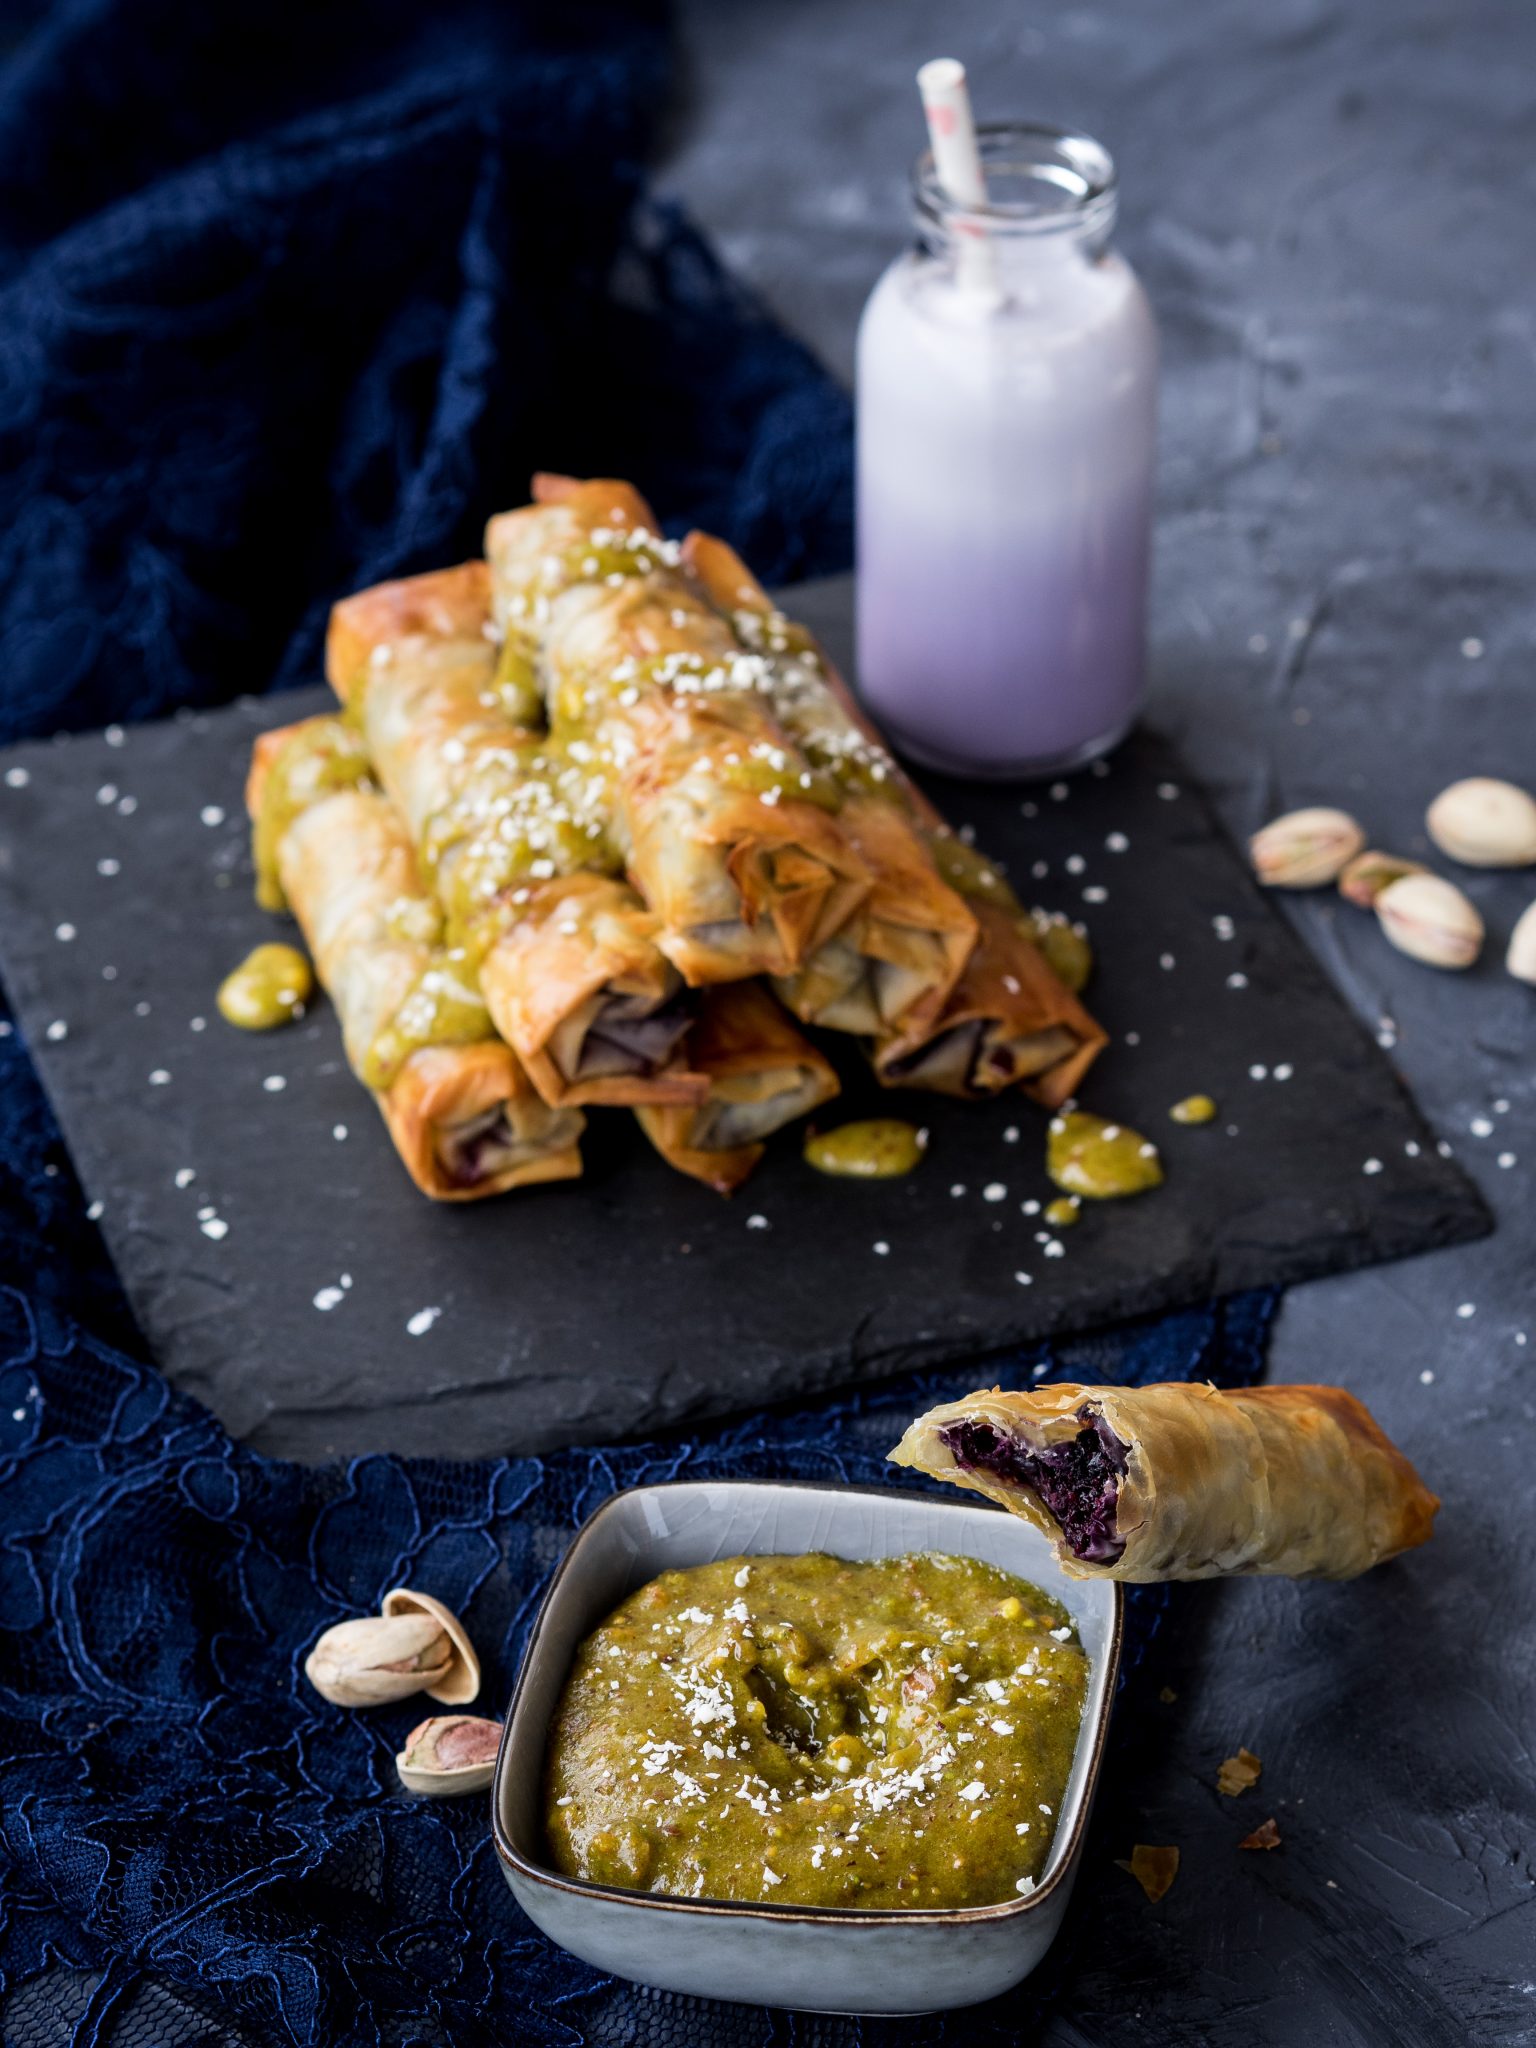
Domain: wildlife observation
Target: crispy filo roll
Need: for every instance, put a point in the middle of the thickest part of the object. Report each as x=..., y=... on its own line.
x=1185, y=1480
x=508, y=829
x=763, y=1073
x=973, y=1006
x=727, y=832
x=462, y=1113
x=895, y=962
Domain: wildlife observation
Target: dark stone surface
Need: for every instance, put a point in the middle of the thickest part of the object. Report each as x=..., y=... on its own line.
x=1331, y=206
x=634, y=1299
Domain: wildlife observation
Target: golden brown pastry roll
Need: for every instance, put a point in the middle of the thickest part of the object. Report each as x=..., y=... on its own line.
x=763, y=1073
x=938, y=965
x=462, y=1113
x=508, y=829
x=894, y=962
x=1185, y=1480
x=726, y=830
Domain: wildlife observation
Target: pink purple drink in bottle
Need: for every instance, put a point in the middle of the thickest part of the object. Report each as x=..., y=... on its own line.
x=1007, y=383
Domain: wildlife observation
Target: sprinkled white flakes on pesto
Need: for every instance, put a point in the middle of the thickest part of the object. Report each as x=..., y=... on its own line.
x=419, y=1324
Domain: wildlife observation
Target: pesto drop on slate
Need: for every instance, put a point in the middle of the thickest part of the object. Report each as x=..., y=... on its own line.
x=811, y=1731
x=1087, y=1156
x=269, y=987
x=879, y=1148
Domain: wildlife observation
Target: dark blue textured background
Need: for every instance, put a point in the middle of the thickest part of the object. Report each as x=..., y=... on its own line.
x=290, y=300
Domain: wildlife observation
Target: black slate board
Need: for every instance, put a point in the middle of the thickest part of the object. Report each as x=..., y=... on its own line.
x=634, y=1299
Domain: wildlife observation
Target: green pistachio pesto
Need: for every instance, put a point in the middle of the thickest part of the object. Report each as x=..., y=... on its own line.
x=1063, y=1212
x=323, y=755
x=877, y=1148
x=516, y=683
x=773, y=772
x=270, y=987
x=815, y=1732
x=1087, y=1156
x=970, y=873
x=444, y=1008
x=1194, y=1109
x=1067, y=951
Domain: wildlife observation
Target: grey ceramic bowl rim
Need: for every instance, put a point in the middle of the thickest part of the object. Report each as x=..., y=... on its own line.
x=755, y=1909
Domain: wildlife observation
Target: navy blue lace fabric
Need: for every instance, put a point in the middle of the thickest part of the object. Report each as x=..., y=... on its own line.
x=291, y=299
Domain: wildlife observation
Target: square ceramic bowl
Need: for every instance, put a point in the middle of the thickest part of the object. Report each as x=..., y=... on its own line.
x=820, y=1959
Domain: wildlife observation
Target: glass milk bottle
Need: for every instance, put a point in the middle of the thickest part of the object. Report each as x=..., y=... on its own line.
x=1007, y=387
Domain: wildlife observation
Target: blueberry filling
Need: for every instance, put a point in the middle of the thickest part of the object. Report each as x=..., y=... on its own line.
x=1078, y=1481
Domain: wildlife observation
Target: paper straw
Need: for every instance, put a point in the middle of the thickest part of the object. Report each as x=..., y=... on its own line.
x=957, y=163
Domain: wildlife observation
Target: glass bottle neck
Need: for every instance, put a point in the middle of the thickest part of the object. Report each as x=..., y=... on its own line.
x=1051, y=193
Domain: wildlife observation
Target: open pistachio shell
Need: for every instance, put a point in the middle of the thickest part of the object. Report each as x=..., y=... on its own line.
x=461, y=1682
x=376, y=1659
x=449, y=1755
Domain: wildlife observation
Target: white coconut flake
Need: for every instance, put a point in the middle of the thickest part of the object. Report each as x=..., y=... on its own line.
x=338, y=1132
x=1467, y=1308
x=1371, y=1166
x=880, y=1248
x=185, y=1175
x=16, y=778
x=109, y=866
x=212, y=814
x=422, y=1321
x=214, y=1227
x=94, y=1211
x=159, y=1078
x=57, y=1030
x=329, y=1298
x=275, y=1083
x=64, y=933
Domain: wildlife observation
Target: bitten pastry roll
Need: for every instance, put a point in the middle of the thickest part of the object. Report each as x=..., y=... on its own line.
x=461, y=1111
x=1185, y=1481
x=728, y=833
x=938, y=965
x=509, y=829
x=763, y=1073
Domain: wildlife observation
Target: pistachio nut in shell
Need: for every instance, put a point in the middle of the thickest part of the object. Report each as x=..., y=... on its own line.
x=1304, y=849
x=461, y=1682
x=1521, y=957
x=449, y=1755
x=1484, y=823
x=1363, y=879
x=379, y=1658
x=1431, y=920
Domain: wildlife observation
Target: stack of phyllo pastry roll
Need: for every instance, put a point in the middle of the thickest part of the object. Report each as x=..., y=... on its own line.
x=637, y=833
